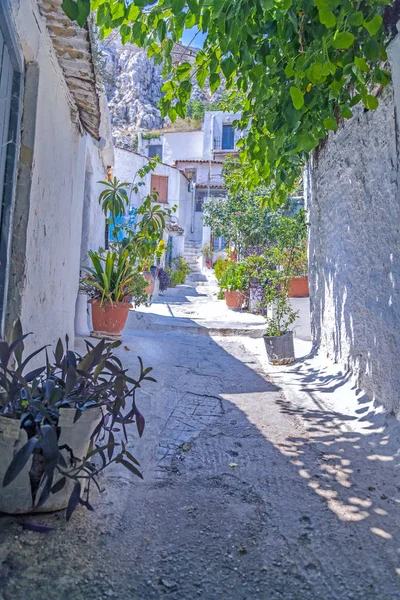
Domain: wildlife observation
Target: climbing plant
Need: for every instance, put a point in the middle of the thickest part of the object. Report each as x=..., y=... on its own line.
x=293, y=67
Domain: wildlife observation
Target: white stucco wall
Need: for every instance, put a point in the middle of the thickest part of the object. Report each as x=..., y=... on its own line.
x=126, y=167
x=182, y=144
x=52, y=254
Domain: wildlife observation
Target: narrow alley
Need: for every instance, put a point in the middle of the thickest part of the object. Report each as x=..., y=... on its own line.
x=256, y=485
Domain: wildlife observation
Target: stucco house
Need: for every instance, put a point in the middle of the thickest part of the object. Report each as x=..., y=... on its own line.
x=174, y=191
x=55, y=147
x=201, y=156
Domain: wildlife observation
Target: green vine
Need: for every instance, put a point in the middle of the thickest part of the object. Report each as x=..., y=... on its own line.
x=293, y=67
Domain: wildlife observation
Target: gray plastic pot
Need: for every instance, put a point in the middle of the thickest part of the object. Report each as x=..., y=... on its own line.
x=17, y=497
x=280, y=348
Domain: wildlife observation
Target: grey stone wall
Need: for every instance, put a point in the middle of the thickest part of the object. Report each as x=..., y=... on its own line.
x=354, y=250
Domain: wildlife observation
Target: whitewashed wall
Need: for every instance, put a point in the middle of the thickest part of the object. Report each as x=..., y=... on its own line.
x=46, y=250
x=354, y=246
x=182, y=144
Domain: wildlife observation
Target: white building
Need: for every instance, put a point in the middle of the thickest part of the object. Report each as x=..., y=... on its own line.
x=173, y=188
x=55, y=147
x=201, y=156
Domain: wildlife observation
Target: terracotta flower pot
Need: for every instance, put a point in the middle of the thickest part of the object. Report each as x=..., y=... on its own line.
x=298, y=287
x=151, y=279
x=208, y=264
x=109, y=318
x=234, y=299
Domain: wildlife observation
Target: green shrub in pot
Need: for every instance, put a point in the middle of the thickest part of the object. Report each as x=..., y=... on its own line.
x=234, y=278
x=38, y=400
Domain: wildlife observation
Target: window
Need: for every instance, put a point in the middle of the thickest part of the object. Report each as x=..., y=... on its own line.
x=228, y=137
x=155, y=150
x=219, y=243
x=159, y=184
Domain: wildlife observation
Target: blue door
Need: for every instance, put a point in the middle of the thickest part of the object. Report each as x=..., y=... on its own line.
x=228, y=137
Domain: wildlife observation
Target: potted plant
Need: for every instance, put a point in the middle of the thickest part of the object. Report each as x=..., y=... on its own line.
x=208, y=254
x=298, y=283
x=220, y=267
x=234, y=283
x=58, y=423
x=112, y=282
x=178, y=271
x=279, y=316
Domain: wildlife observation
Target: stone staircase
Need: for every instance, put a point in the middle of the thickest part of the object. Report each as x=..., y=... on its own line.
x=192, y=253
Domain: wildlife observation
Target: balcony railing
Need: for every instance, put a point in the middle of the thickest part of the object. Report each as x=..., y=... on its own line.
x=222, y=145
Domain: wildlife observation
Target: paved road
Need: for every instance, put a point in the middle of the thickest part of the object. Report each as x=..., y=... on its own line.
x=249, y=493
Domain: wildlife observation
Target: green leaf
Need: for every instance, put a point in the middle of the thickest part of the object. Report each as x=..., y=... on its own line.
x=347, y=113
x=215, y=81
x=162, y=29
x=133, y=12
x=370, y=102
x=374, y=25
x=343, y=40
x=356, y=19
x=297, y=97
x=327, y=17
x=183, y=70
x=228, y=66
x=19, y=461
x=371, y=49
x=201, y=76
x=289, y=71
x=330, y=123
x=84, y=11
x=125, y=32
x=71, y=9
x=361, y=63
x=177, y=6
x=103, y=16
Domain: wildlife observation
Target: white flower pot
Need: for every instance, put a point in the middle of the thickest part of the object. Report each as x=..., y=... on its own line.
x=17, y=497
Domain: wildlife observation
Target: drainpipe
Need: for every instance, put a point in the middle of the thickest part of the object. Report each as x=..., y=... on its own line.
x=193, y=207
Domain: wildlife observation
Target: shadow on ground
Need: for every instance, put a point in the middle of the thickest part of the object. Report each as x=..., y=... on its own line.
x=246, y=495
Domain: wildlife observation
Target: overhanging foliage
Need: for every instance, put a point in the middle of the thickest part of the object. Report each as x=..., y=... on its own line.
x=294, y=67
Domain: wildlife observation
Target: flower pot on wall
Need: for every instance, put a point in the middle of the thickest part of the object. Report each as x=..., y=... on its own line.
x=150, y=278
x=298, y=287
x=209, y=264
x=234, y=299
x=109, y=318
x=280, y=348
x=17, y=496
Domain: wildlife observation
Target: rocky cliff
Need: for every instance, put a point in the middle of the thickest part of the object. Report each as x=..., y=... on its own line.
x=133, y=85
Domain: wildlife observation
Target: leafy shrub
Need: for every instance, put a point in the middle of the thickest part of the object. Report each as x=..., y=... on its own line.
x=234, y=278
x=220, y=267
x=179, y=271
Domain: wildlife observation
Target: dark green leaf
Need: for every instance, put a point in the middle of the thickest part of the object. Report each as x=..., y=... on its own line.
x=58, y=486
x=19, y=461
x=130, y=467
x=74, y=499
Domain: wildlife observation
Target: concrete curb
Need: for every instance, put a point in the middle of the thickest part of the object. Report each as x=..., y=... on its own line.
x=151, y=322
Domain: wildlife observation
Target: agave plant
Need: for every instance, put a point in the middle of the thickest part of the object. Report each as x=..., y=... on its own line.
x=114, y=277
x=75, y=382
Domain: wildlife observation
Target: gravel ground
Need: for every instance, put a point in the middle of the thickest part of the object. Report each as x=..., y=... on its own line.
x=248, y=492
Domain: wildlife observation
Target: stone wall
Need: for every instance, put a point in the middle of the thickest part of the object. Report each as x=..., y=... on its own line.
x=354, y=249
